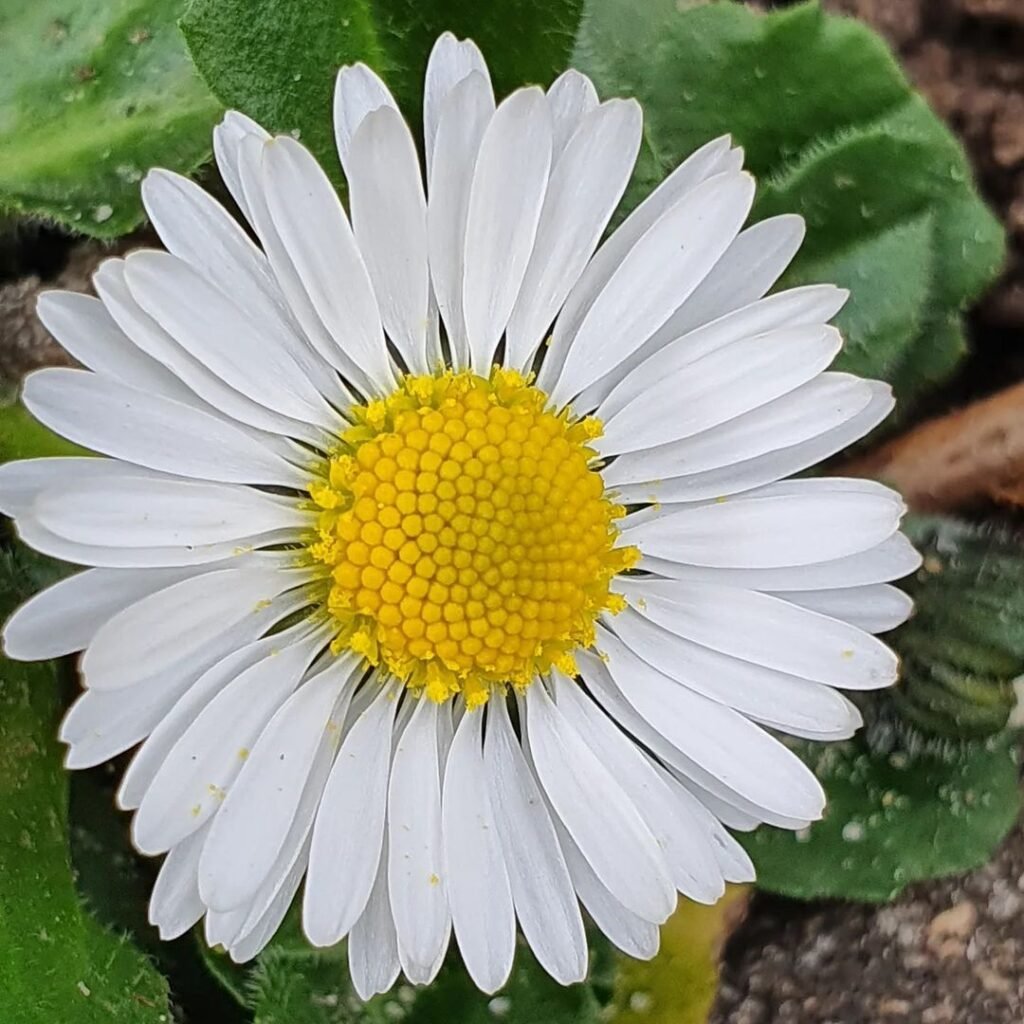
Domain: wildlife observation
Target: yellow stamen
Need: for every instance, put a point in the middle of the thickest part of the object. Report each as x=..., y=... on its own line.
x=469, y=541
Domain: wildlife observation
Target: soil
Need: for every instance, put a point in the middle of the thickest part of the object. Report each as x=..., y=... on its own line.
x=946, y=952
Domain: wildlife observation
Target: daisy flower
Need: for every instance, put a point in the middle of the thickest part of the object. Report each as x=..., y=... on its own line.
x=441, y=559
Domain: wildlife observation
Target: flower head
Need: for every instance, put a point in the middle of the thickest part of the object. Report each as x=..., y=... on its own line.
x=442, y=558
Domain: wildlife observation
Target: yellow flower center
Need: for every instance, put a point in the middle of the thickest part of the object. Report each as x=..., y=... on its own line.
x=468, y=538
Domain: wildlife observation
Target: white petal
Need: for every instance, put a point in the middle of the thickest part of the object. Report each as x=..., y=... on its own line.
x=769, y=529
x=110, y=554
x=149, y=430
x=315, y=232
x=450, y=61
x=244, y=947
x=763, y=469
x=416, y=882
x=141, y=510
x=192, y=782
x=208, y=324
x=586, y=185
x=148, y=335
x=727, y=746
x=198, y=230
x=151, y=755
x=478, y=886
x=267, y=908
x=358, y=91
x=599, y=816
x=626, y=930
x=464, y=118
x=23, y=480
x=876, y=608
x=811, y=409
x=571, y=96
x=100, y=724
x=301, y=311
x=86, y=329
x=227, y=138
x=714, y=158
x=652, y=278
x=389, y=220
x=65, y=617
x=728, y=804
x=732, y=859
x=262, y=914
x=687, y=850
x=349, y=827
x=249, y=831
x=184, y=618
x=669, y=352
x=785, y=701
x=175, y=904
x=893, y=559
x=509, y=182
x=723, y=385
x=373, y=945
x=541, y=887
x=750, y=266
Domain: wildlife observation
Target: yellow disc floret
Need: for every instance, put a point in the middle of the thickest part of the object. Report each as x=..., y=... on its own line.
x=469, y=541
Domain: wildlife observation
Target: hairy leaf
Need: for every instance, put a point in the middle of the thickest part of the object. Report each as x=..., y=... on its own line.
x=94, y=93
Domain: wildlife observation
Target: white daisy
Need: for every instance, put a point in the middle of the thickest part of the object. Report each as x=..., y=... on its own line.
x=440, y=558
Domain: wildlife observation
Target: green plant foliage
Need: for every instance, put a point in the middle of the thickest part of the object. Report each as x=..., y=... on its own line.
x=22, y=436
x=892, y=819
x=94, y=93
x=276, y=59
x=292, y=981
x=964, y=645
x=58, y=964
x=833, y=131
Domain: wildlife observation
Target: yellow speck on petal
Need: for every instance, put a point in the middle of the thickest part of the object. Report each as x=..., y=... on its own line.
x=467, y=538
x=847, y=654
x=196, y=810
x=434, y=880
x=262, y=605
x=243, y=753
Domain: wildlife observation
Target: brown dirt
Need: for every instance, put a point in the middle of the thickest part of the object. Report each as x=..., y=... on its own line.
x=946, y=952
x=25, y=344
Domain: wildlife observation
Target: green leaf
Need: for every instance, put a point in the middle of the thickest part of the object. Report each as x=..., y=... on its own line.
x=276, y=60
x=95, y=92
x=523, y=41
x=530, y=996
x=24, y=437
x=892, y=819
x=56, y=962
x=833, y=131
x=964, y=645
